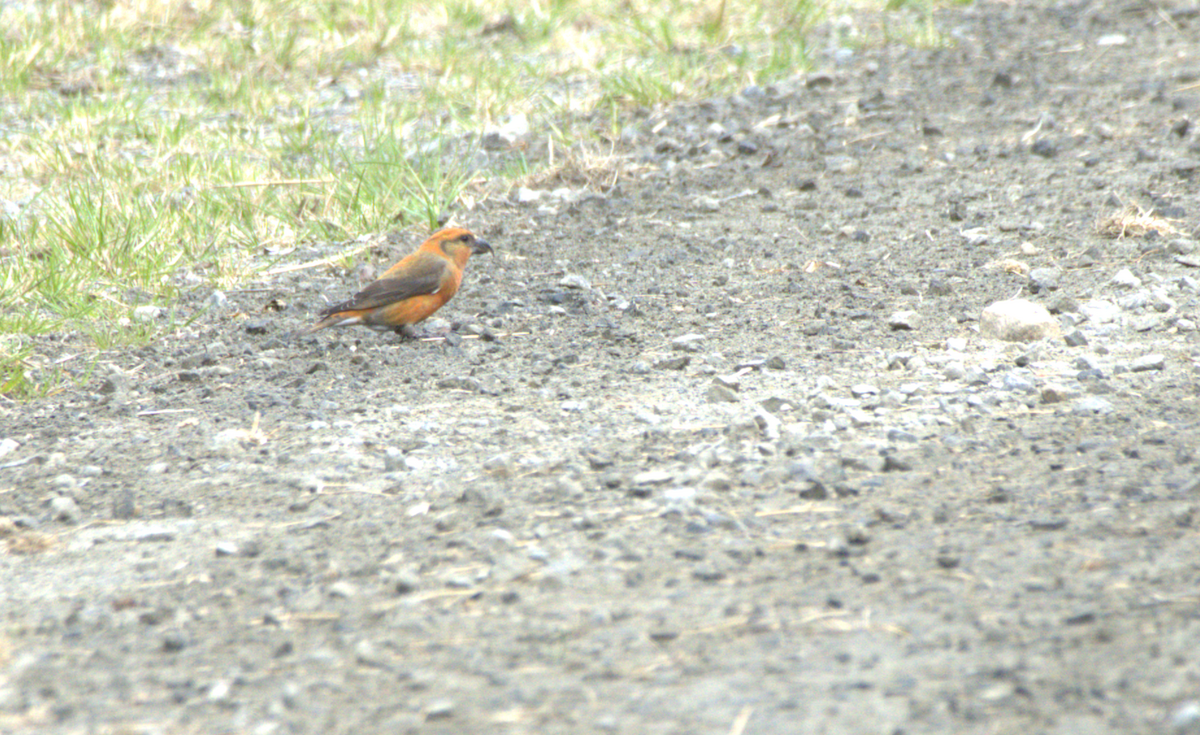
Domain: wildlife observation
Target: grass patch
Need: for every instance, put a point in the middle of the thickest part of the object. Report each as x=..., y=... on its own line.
x=152, y=147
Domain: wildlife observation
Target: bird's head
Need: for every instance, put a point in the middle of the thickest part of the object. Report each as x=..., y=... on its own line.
x=459, y=244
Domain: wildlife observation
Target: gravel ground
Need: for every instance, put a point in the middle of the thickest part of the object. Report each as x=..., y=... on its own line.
x=721, y=448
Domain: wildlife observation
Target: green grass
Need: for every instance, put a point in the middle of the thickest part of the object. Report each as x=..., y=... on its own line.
x=154, y=146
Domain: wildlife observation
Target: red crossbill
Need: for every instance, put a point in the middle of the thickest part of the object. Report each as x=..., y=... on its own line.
x=411, y=290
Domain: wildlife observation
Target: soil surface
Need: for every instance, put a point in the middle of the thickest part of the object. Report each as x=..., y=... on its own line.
x=716, y=449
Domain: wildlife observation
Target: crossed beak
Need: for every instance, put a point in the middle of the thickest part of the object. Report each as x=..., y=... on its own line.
x=481, y=246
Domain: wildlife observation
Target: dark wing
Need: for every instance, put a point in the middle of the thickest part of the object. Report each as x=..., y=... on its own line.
x=423, y=275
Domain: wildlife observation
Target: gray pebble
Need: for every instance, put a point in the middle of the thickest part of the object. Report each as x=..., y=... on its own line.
x=124, y=505
x=716, y=481
x=1075, y=338
x=460, y=383
x=674, y=363
x=1044, y=279
x=1053, y=393
x=718, y=393
x=687, y=343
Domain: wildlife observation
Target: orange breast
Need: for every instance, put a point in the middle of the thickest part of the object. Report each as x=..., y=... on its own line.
x=409, y=311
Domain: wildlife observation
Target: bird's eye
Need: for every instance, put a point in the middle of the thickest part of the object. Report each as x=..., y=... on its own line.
x=465, y=238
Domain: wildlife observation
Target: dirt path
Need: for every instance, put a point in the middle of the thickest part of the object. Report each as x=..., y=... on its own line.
x=719, y=450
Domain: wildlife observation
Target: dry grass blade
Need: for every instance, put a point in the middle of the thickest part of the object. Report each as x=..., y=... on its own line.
x=580, y=167
x=1134, y=221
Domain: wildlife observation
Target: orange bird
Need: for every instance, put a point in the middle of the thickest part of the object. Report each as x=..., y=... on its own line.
x=411, y=290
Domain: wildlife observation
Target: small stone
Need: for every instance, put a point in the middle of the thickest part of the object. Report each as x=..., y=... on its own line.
x=156, y=534
x=405, y=582
x=394, y=460
x=65, y=483
x=219, y=691
x=1017, y=320
x=146, y=313
x=1089, y=405
x=124, y=505
x=716, y=481
x=1146, y=363
x=1017, y=383
x=1186, y=718
x=1053, y=393
x=440, y=709
x=732, y=381
x=652, y=477
x=1126, y=279
x=673, y=363
x=687, y=343
x=460, y=382
x=226, y=548
x=842, y=164
x=775, y=362
x=367, y=654
x=1182, y=246
x=173, y=642
x=575, y=281
x=499, y=465
x=717, y=393
x=1099, y=311
x=707, y=573
x=903, y=320
x=65, y=509
x=1044, y=279
x=939, y=287
x=1044, y=148
x=1075, y=338
x=343, y=589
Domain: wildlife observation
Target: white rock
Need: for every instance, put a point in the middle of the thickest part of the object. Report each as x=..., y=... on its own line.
x=1017, y=320
x=63, y=508
x=975, y=236
x=147, y=313
x=1090, y=405
x=575, y=281
x=1126, y=279
x=1099, y=311
x=1148, y=362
